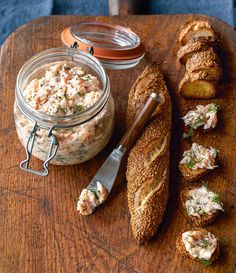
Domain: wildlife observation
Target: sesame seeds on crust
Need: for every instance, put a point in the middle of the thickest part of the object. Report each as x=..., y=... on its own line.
x=191, y=29
x=148, y=162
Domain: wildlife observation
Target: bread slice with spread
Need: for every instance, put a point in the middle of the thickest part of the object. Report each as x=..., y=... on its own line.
x=197, y=162
x=201, y=117
x=200, y=205
x=198, y=244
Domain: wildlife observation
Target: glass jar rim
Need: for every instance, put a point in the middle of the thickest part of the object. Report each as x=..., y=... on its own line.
x=61, y=121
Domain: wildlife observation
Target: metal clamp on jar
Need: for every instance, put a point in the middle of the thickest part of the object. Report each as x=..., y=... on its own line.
x=74, y=138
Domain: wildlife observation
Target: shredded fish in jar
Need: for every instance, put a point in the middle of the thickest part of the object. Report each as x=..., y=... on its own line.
x=63, y=90
x=66, y=90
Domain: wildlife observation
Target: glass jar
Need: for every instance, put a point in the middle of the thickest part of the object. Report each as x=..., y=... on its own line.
x=67, y=139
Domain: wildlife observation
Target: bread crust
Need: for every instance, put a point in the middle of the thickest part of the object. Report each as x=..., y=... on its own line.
x=182, y=250
x=148, y=161
x=192, y=47
x=191, y=30
x=192, y=175
x=205, y=219
x=192, y=79
x=207, y=61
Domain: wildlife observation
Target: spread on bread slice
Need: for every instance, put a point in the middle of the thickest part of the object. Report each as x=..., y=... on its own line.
x=197, y=161
x=198, y=244
x=204, y=116
x=148, y=161
x=195, y=29
x=201, y=206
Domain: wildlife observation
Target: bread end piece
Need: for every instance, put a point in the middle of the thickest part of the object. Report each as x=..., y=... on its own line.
x=195, y=29
x=205, y=219
x=199, y=85
x=182, y=250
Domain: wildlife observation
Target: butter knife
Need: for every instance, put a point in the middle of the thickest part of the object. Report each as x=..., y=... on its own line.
x=107, y=173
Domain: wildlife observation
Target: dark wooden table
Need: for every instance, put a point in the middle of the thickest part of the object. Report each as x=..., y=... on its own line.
x=40, y=228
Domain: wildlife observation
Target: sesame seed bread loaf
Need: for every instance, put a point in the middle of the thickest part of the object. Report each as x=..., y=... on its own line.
x=148, y=161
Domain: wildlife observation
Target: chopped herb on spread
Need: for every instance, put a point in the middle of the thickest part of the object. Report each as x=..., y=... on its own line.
x=216, y=198
x=224, y=241
x=190, y=164
x=78, y=108
x=86, y=78
x=214, y=108
x=206, y=262
x=189, y=134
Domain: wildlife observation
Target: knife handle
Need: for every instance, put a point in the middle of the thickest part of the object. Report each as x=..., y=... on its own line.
x=143, y=116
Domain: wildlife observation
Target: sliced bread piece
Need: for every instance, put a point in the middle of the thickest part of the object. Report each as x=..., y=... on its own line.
x=195, y=29
x=192, y=47
x=207, y=61
x=198, y=85
x=201, y=116
x=198, y=161
x=200, y=239
x=200, y=205
x=210, y=41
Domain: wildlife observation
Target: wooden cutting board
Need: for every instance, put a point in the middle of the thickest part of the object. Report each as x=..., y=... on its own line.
x=40, y=228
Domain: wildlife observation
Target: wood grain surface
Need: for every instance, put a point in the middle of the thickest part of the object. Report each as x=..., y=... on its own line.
x=40, y=228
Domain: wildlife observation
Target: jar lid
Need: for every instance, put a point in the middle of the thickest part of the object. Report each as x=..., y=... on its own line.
x=115, y=46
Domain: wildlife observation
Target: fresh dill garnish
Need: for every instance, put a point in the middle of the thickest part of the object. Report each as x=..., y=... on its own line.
x=203, y=243
x=189, y=134
x=224, y=241
x=190, y=164
x=216, y=198
x=78, y=108
x=95, y=193
x=206, y=262
x=214, y=108
x=86, y=77
x=204, y=183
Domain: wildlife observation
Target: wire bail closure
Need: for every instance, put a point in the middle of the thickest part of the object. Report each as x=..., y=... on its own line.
x=24, y=165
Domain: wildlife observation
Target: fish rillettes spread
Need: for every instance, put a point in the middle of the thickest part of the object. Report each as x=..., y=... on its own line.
x=65, y=90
